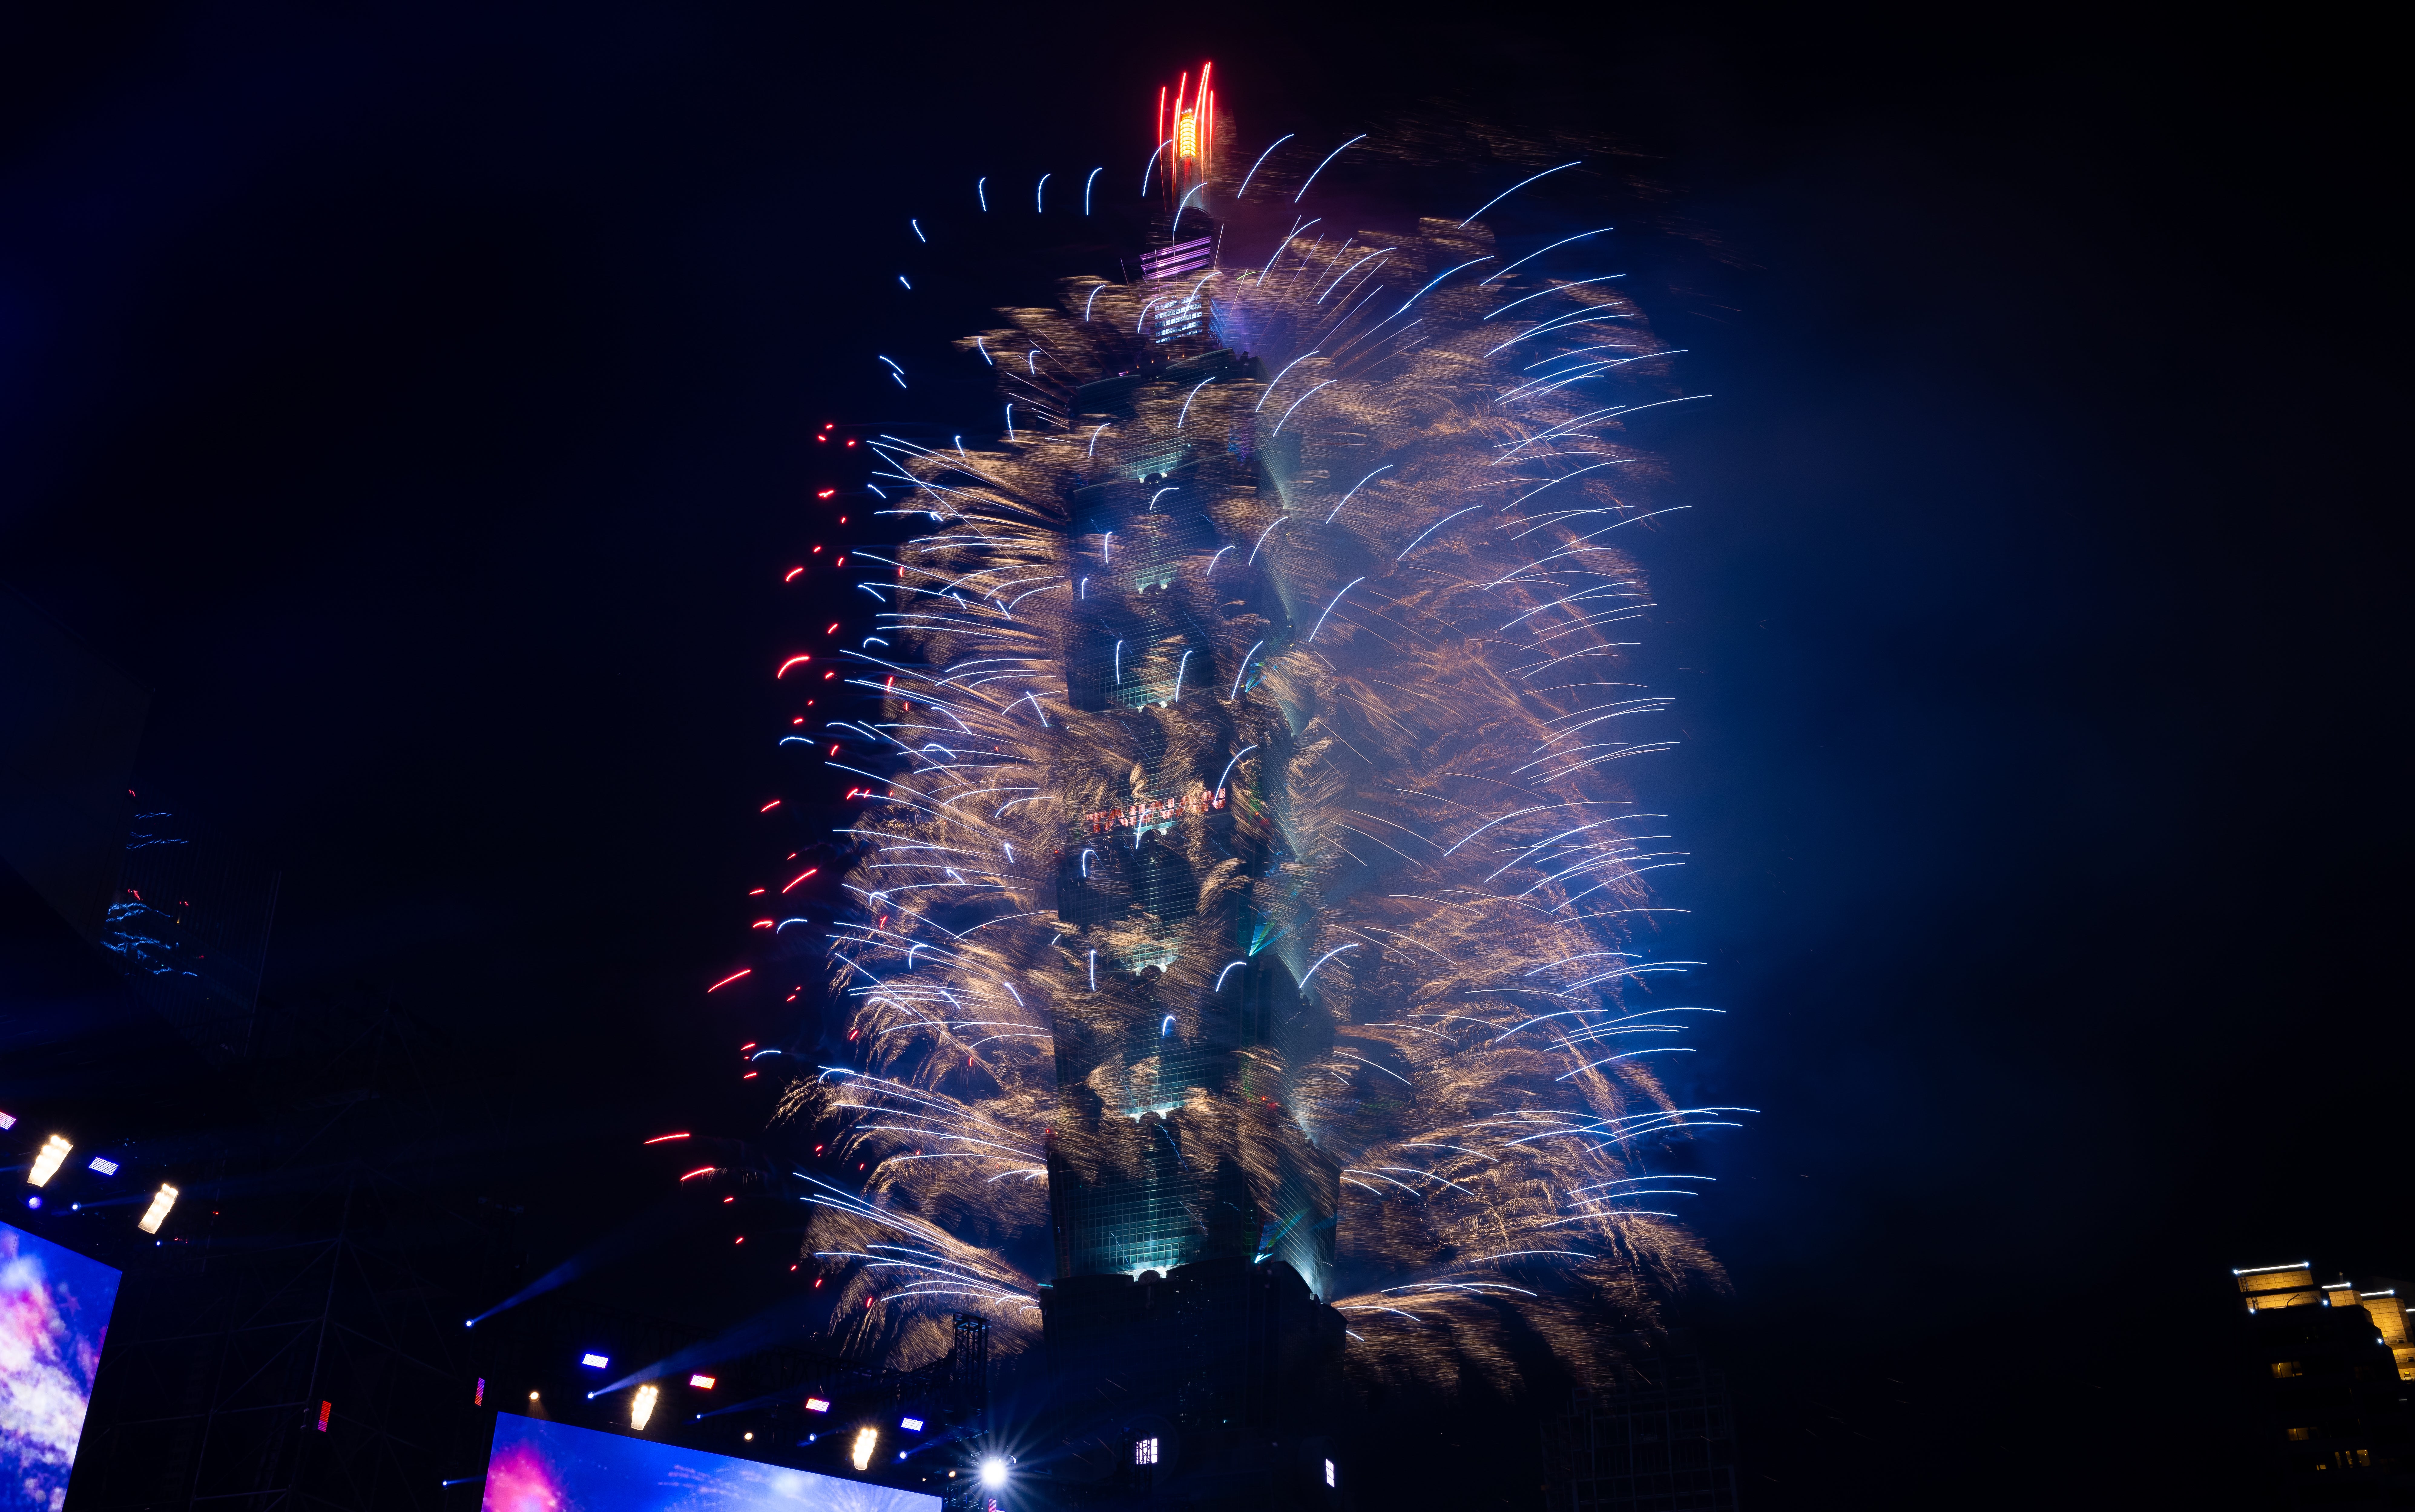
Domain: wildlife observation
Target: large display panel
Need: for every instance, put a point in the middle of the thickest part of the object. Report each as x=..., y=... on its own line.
x=537, y=1466
x=54, y=1307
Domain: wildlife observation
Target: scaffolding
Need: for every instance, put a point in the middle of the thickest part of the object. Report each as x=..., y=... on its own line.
x=1663, y=1440
x=288, y=1348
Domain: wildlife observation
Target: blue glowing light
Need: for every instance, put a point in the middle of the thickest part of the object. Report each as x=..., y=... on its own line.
x=1261, y=162
x=1329, y=157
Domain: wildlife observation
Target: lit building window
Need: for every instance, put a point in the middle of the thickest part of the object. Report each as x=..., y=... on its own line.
x=2282, y=1369
x=2301, y=1433
x=1145, y=1452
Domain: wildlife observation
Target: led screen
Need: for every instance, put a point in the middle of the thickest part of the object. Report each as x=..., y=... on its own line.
x=53, y=1312
x=538, y=1466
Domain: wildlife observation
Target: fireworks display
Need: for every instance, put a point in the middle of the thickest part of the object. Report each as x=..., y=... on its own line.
x=1242, y=862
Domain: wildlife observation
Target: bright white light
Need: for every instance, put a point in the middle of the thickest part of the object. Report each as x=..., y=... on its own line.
x=992, y=1473
x=593, y=1362
x=866, y=1440
x=49, y=1160
x=7, y=1120
x=1145, y=1452
x=104, y=1166
x=911, y=1425
x=815, y=1404
x=641, y=1407
x=161, y=1202
x=1329, y=1472
x=702, y=1382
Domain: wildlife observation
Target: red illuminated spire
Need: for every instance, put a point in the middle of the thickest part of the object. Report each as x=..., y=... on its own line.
x=1186, y=132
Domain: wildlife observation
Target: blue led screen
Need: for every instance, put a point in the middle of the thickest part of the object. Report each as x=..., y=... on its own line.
x=54, y=1307
x=537, y=1466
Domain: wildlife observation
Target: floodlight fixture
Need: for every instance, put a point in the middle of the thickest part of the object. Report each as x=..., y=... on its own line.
x=103, y=1164
x=48, y=1161
x=161, y=1201
x=816, y=1404
x=993, y=1472
x=7, y=1120
x=1329, y=1472
x=594, y=1362
x=911, y=1425
x=641, y=1406
x=701, y=1383
x=866, y=1440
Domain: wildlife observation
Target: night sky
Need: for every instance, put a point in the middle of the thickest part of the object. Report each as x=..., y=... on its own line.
x=421, y=404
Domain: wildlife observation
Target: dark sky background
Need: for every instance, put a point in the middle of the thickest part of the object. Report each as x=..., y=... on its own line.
x=420, y=402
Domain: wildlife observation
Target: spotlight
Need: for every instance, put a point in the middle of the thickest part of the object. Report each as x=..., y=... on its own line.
x=701, y=1383
x=816, y=1404
x=7, y=1120
x=104, y=1166
x=992, y=1473
x=1329, y=1472
x=750, y=1437
x=163, y=1199
x=34, y=1201
x=47, y=1162
x=532, y=1396
x=594, y=1362
x=866, y=1440
x=641, y=1407
x=911, y=1425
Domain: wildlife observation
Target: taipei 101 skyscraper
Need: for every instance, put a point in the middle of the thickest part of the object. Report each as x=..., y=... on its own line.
x=1251, y=934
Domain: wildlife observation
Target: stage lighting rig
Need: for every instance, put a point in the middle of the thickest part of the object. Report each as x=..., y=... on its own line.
x=160, y=1202
x=48, y=1161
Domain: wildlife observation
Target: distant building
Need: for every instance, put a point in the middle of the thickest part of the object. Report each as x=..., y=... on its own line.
x=2335, y=1370
x=1663, y=1440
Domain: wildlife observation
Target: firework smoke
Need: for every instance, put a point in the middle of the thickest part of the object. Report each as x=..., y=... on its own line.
x=1333, y=717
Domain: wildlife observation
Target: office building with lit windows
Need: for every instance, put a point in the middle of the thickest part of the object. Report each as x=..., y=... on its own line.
x=2334, y=1372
